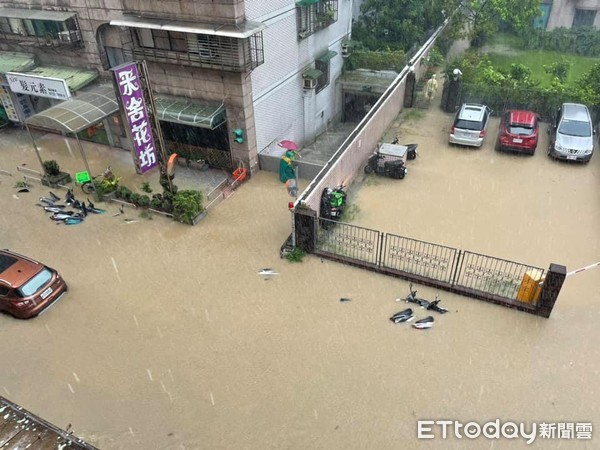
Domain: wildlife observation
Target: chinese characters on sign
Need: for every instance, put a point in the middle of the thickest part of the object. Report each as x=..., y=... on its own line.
x=39, y=86
x=15, y=112
x=132, y=99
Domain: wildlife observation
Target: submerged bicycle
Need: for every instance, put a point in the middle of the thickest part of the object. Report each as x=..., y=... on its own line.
x=109, y=182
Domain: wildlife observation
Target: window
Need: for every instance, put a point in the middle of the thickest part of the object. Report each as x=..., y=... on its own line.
x=3, y=291
x=323, y=80
x=59, y=30
x=207, y=47
x=322, y=63
x=584, y=17
x=315, y=15
x=161, y=40
x=199, y=50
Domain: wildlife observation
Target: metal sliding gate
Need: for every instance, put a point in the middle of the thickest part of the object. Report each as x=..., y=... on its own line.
x=481, y=276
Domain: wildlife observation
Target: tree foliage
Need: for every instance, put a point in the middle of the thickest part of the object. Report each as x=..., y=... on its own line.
x=484, y=17
x=515, y=87
x=399, y=24
x=559, y=69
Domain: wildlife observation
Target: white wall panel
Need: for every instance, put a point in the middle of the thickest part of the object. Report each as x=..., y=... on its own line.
x=256, y=9
x=281, y=55
x=279, y=115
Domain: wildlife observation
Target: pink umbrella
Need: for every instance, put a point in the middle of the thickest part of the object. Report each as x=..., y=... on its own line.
x=289, y=145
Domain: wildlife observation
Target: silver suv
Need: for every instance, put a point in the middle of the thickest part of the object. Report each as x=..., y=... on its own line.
x=470, y=124
x=571, y=133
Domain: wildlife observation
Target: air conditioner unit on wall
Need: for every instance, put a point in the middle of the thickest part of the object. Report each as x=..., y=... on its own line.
x=68, y=36
x=310, y=83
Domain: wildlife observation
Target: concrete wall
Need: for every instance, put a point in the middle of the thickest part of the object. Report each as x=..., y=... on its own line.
x=353, y=153
x=228, y=11
x=283, y=109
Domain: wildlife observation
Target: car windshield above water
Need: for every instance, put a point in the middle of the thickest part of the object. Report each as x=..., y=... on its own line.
x=34, y=285
x=575, y=128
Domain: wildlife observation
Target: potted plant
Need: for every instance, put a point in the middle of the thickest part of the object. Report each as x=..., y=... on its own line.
x=52, y=174
x=188, y=207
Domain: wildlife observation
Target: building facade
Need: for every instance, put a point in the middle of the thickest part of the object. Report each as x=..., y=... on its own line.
x=569, y=13
x=229, y=78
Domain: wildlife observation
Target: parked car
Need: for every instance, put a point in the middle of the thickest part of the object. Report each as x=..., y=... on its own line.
x=571, y=133
x=27, y=287
x=470, y=124
x=518, y=131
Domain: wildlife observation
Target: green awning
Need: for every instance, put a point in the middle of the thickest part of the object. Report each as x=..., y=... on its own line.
x=36, y=14
x=16, y=62
x=326, y=57
x=187, y=112
x=313, y=74
x=304, y=3
x=75, y=78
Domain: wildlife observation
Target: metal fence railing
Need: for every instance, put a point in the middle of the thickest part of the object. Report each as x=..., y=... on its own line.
x=349, y=241
x=419, y=257
x=492, y=275
x=486, y=276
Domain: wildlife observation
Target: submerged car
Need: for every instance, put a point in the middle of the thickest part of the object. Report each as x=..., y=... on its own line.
x=470, y=124
x=518, y=132
x=27, y=287
x=571, y=133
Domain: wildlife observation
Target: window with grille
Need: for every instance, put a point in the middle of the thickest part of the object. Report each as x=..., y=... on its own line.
x=323, y=80
x=199, y=50
x=584, y=17
x=315, y=15
x=55, y=31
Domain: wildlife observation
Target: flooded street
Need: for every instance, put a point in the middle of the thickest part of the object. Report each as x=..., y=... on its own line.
x=169, y=339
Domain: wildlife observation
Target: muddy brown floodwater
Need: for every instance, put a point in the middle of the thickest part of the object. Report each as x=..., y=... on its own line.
x=169, y=339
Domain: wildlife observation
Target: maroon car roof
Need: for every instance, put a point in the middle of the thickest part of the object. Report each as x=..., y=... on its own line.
x=522, y=117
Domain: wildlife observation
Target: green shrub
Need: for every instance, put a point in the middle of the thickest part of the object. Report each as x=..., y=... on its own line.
x=51, y=168
x=377, y=60
x=435, y=58
x=559, y=69
x=135, y=198
x=584, y=41
x=187, y=204
x=146, y=187
x=143, y=201
x=156, y=203
x=123, y=193
x=295, y=255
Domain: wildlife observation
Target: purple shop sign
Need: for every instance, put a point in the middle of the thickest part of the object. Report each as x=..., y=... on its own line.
x=132, y=99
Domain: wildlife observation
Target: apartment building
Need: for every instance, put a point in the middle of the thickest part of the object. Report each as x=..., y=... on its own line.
x=229, y=78
x=569, y=13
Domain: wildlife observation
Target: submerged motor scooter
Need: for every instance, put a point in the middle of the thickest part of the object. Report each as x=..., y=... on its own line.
x=333, y=203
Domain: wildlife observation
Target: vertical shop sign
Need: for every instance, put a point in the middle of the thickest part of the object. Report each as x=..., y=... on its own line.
x=132, y=98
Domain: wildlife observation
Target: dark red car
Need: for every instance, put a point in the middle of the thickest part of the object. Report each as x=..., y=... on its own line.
x=518, y=131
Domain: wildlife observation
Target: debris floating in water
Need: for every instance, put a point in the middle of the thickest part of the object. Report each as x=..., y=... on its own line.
x=422, y=324
x=267, y=272
x=403, y=316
